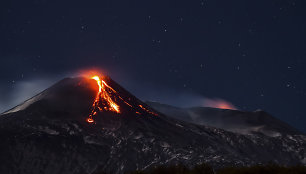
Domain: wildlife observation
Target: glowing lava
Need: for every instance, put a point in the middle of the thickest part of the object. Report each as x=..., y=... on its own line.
x=103, y=101
x=109, y=100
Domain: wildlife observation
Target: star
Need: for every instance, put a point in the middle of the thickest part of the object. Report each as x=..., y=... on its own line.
x=83, y=27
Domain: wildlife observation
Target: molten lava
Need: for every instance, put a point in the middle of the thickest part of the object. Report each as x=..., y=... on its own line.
x=103, y=101
x=108, y=99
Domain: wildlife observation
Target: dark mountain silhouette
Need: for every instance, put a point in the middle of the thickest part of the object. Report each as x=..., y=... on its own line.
x=50, y=133
x=242, y=122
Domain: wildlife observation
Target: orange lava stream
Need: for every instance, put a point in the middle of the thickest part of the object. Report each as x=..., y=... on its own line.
x=105, y=102
x=102, y=97
x=147, y=110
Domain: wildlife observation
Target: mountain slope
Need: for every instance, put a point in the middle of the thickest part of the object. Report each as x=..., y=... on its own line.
x=231, y=120
x=50, y=134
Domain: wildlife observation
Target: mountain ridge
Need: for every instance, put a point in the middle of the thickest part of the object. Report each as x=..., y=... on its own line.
x=231, y=120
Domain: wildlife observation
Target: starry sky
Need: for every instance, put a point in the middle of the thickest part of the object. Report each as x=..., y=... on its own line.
x=251, y=54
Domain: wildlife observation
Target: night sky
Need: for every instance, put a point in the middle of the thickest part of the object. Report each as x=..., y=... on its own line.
x=249, y=53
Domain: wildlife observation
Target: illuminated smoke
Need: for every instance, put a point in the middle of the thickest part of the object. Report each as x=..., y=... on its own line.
x=218, y=103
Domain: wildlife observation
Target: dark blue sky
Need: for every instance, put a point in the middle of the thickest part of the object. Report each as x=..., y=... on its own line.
x=250, y=53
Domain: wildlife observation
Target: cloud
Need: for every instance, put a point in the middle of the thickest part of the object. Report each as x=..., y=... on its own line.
x=22, y=91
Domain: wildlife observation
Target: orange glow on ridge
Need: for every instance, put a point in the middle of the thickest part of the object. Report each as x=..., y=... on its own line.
x=219, y=103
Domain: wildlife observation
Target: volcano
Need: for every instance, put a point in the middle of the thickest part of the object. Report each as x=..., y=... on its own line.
x=87, y=125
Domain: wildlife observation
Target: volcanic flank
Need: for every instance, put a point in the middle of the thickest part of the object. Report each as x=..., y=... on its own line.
x=86, y=99
x=83, y=125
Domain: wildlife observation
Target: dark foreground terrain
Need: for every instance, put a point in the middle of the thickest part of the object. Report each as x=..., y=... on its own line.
x=206, y=169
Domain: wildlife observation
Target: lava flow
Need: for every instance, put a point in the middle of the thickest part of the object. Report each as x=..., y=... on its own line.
x=103, y=101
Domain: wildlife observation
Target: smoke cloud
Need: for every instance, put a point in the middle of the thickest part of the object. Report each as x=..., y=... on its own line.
x=218, y=103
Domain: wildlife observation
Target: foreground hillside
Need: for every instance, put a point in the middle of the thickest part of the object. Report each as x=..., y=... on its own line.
x=206, y=169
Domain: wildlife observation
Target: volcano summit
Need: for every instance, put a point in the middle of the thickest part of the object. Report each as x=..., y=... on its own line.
x=84, y=125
